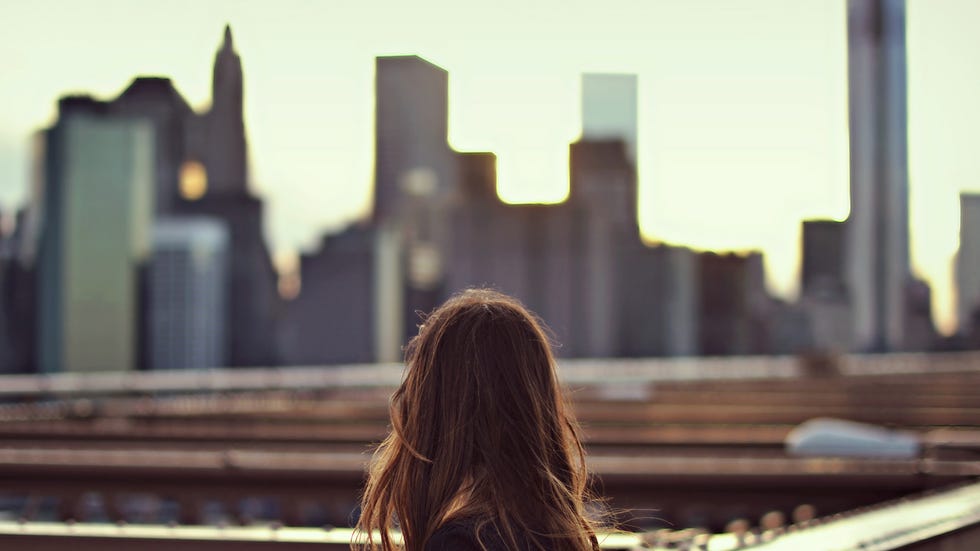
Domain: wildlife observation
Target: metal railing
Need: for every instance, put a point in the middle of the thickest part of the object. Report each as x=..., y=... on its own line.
x=573, y=371
x=948, y=519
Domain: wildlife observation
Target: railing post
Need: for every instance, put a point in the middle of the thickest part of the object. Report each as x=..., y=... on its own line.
x=191, y=510
x=69, y=506
x=293, y=512
x=112, y=502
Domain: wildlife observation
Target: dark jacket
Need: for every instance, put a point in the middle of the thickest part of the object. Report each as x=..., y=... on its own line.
x=460, y=535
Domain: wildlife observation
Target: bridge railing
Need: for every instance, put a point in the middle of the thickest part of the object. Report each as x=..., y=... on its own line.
x=572, y=371
x=948, y=519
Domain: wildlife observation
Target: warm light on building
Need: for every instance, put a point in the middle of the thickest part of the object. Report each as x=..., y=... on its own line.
x=193, y=180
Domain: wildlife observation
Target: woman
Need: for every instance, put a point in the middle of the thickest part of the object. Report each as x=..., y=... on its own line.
x=483, y=453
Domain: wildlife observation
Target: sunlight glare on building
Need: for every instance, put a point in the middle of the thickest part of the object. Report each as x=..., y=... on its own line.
x=193, y=180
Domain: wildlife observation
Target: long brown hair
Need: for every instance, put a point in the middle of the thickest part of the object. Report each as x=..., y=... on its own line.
x=480, y=430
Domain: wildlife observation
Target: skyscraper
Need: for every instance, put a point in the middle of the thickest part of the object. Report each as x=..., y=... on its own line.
x=158, y=101
x=414, y=177
x=254, y=303
x=412, y=154
x=198, y=165
x=98, y=204
x=824, y=295
x=609, y=109
x=731, y=287
x=188, y=294
x=8, y=264
x=878, y=243
x=968, y=266
x=603, y=209
x=822, y=272
x=331, y=320
x=20, y=284
x=489, y=238
x=226, y=148
x=222, y=192
x=603, y=188
x=659, y=294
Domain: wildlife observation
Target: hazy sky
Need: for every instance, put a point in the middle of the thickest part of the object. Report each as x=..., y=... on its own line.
x=742, y=103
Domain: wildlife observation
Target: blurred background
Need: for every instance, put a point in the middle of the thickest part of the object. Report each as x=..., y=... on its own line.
x=753, y=227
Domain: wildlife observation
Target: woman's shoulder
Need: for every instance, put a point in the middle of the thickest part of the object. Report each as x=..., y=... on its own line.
x=454, y=535
x=461, y=535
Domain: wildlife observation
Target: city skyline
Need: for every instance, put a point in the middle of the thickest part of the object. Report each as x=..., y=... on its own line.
x=669, y=149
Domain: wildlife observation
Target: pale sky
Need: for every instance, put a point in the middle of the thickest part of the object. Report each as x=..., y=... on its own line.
x=742, y=103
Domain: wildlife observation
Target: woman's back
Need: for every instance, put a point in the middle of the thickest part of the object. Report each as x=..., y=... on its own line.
x=461, y=535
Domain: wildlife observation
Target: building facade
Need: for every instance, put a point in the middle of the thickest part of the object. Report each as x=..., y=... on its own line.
x=878, y=227
x=98, y=208
x=198, y=167
x=225, y=145
x=415, y=178
x=968, y=266
x=413, y=159
x=609, y=109
x=824, y=291
x=488, y=245
x=331, y=321
x=188, y=294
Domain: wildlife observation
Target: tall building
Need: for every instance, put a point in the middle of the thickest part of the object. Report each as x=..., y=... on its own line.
x=415, y=178
x=823, y=258
x=659, y=302
x=920, y=331
x=824, y=297
x=27, y=236
x=413, y=159
x=878, y=229
x=489, y=238
x=731, y=319
x=254, y=304
x=226, y=158
x=98, y=204
x=199, y=168
x=602, y=197
x=7, y=265
x=156, y=100
x=202, y=171
x=565, y=261
x=219, y=189
x=968, y=266
x=331, y=321
x=603, y=163
x=609, y=109
x=790, y=329
x=19, y=290
x=602, y=207
x=556, y=275
x=188, y=294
